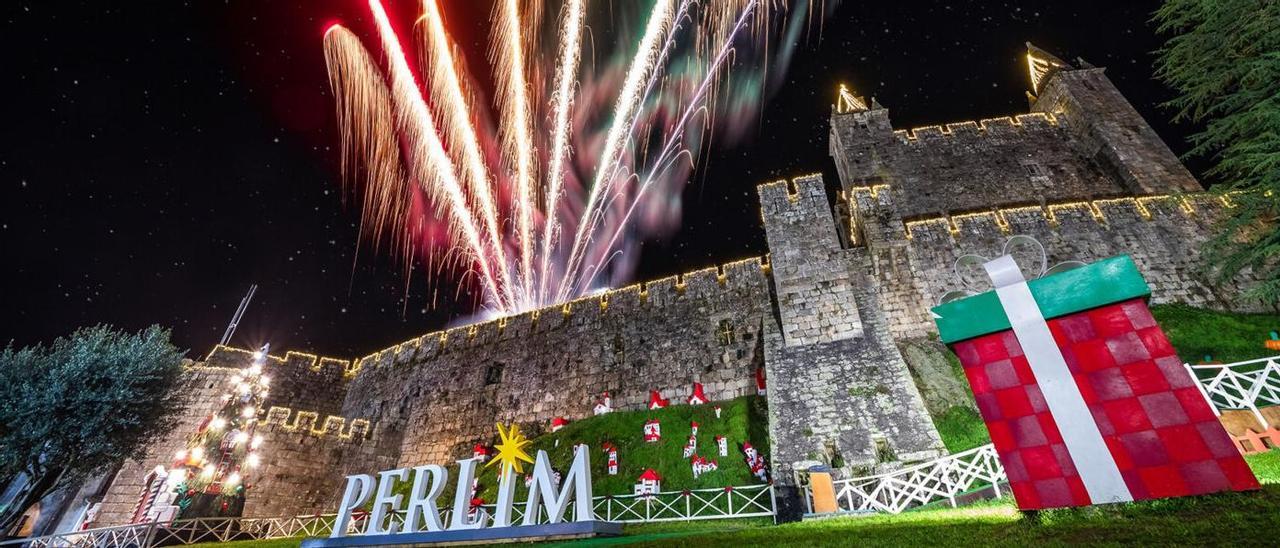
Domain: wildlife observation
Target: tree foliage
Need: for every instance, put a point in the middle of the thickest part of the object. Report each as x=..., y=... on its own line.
x=1223, y=59
x=83, y=404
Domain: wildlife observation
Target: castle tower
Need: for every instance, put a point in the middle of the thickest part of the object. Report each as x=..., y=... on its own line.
x=840, y=393
x=1105, y=126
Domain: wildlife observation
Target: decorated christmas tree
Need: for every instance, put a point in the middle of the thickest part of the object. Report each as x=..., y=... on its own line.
x=211, y=475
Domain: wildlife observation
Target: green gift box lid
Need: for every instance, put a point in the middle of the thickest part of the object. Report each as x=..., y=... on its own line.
x=1107, y=281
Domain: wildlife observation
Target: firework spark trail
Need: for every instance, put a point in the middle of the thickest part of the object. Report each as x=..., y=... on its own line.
x=682, y=12
x=562, y=103
x=516, y=132
x=433, y=181
x=364, y=114
x=628, y=105
x=446, y=87
x=433, y=167
x=670, y=146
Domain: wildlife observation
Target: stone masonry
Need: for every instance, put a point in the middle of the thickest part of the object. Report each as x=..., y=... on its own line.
x=844, y=281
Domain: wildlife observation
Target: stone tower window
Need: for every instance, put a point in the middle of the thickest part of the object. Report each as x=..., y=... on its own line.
x=725, y=333
x=619, y=350
x=493, y=375
x=1034, y=169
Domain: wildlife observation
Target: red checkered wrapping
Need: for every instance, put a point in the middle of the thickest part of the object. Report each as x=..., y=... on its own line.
x=1160, y=431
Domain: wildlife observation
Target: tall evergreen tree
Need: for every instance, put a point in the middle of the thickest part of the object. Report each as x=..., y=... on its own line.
x=1223, y=59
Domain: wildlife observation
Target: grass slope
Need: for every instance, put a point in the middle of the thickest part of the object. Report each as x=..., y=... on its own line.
x=1227, y=337
x=741, y=419
x=1220, y=519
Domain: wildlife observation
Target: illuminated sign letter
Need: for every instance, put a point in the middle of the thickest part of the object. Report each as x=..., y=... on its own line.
x=422, y=500
x=357, y=492
x=385, y=501
x=577, y=482
x=462, y=498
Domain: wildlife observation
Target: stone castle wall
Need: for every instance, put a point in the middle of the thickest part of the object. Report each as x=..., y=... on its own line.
x=304, y=456
x=201, y=389
x=300, y=380
x=839, y=393
x=914, y=261
x=967, y=165
x=437, y=395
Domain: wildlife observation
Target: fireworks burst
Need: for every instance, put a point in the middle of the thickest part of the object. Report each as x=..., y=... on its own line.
x=582, y=164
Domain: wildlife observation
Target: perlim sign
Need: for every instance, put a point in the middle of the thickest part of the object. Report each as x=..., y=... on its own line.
x=422, y=519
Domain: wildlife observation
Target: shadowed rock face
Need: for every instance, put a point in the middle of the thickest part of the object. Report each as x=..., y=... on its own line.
x=941, y=385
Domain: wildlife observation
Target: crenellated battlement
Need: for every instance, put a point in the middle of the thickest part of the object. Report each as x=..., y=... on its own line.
x=1102, y=212
x=979, y=128
x=309, y=422
x=791, y=191
x=698, y=284
x=231, y=357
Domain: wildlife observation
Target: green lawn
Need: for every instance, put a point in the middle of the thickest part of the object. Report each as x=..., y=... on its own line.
x=1222, y=519
x=1226, y=337
x=741, y=419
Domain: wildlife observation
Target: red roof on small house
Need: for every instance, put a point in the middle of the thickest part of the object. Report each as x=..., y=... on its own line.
x=650, y=475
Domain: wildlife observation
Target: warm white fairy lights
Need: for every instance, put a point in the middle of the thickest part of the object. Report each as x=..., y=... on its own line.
x=214, y=462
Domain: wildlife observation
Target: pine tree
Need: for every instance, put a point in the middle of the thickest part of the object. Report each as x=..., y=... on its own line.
x=211, y=475
x=1223, y=59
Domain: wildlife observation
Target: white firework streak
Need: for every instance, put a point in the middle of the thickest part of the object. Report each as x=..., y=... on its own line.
x=628, y=105
x=516, y=133
x=433, y=167
x=562, y=103
x=446, y=87
x=669, y=148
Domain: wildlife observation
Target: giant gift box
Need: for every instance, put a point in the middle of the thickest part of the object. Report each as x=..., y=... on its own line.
x=1085, y=399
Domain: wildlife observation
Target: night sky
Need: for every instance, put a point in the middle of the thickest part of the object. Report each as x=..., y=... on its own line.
x=158, y=157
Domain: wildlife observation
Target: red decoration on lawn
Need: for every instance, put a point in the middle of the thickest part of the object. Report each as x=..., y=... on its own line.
x=756, y=462
x=479, y=451
x=701, y=465
x=612, y=451
x=648, y=483
x=604, y=404
x=722, y=445
x=1161, y=433
x=693, y=428
x=652, y=431
x=698, y=397
x=558, y=423
x=656, y=401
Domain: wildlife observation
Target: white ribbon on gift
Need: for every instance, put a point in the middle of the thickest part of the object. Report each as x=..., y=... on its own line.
x=1093, y=461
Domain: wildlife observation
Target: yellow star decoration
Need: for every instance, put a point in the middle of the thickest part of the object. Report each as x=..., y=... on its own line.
x=510, y=449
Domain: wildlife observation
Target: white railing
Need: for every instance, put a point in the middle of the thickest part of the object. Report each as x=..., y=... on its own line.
x=139, y=534
x=1241, y=385
x=699, y=504
x=941, y=479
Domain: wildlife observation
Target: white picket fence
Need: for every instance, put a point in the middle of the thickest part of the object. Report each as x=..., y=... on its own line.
x=698, y=504
x=1241, y=385
x=941, y=479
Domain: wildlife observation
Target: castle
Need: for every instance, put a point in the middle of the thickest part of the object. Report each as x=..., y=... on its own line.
x=824, y=314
